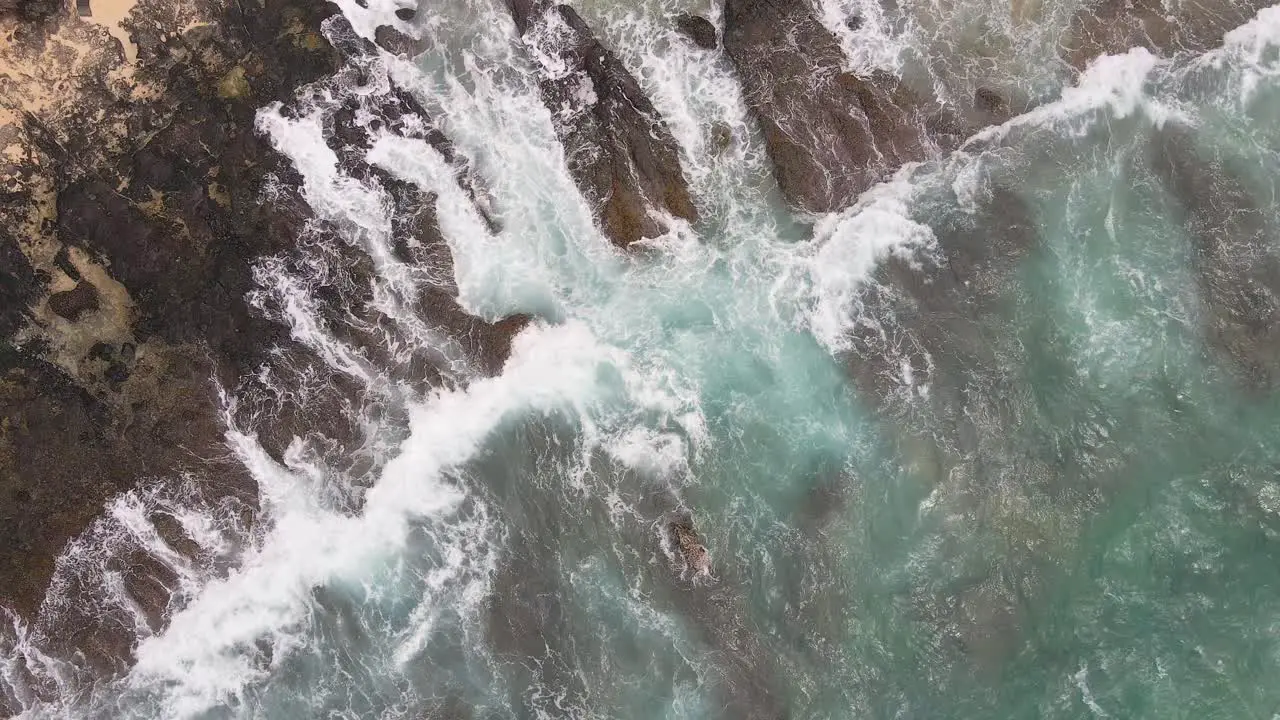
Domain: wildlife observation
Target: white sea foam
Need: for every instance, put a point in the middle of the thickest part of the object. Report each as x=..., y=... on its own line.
x=865, y=35
x=1111, y=87
x=851, y=245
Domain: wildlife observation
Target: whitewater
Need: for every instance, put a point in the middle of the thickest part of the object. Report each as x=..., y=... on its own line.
x=1104, y=542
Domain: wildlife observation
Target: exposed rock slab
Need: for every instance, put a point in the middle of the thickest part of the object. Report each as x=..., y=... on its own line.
x=1109, y=27
x=620, y=151
x=830, y=134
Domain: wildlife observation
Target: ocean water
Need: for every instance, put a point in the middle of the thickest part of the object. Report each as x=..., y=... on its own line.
x=1101, y=538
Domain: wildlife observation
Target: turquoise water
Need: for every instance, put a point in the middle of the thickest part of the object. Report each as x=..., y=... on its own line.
x=1071, y=510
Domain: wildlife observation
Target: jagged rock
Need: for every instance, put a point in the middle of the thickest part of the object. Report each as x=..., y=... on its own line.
x=18, y=286
x=71, y=304
x=620, y=151
x=698, y=29
x=1235, y=259
x=830, y=134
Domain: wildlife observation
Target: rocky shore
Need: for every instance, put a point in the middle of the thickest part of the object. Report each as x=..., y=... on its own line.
x=140, y=195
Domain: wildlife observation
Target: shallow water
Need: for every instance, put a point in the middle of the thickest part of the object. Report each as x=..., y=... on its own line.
x=1083, y=524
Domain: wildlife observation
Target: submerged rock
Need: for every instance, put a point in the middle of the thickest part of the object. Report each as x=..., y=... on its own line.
x=698, y=29
x=830, y=134
x=620, y=151
x=1235, y=258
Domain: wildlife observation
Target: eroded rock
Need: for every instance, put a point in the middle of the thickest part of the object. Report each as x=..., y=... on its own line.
x=620, y=151
x=139, y=233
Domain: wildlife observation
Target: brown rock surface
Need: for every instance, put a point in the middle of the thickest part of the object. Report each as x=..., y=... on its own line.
x=1113, y=26
x=830, y=134
x=620, y=151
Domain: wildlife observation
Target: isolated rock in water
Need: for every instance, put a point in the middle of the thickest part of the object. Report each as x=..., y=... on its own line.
x=698, y=29
x=830, y=134
x=1235, y=258
x=721, y=137
x=620, y=151
x=694, y=555
x=1108, y=27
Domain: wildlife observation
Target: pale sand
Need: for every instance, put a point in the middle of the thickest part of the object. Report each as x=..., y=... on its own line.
x=109, y=14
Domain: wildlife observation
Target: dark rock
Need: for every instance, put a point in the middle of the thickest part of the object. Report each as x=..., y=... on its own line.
x=19, y=287
x=698, y=29
x=854, y=22
x=694, y=557
x=1235, y=259
x=186, y=265
x=65, y=453
x=36, y=11
x=406, y=14
x=71, y=304
x=63, y=261
x=394, y=41
x=101, y=351
x=831, y=135
x=621, y=153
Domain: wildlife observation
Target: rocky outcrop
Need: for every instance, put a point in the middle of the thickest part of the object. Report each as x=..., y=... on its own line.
x=619, y=149
x=140, y=199
x=830, y=134
x=363, y=113
x=135, y=206
x=1113, y=26
x=1235, y=258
